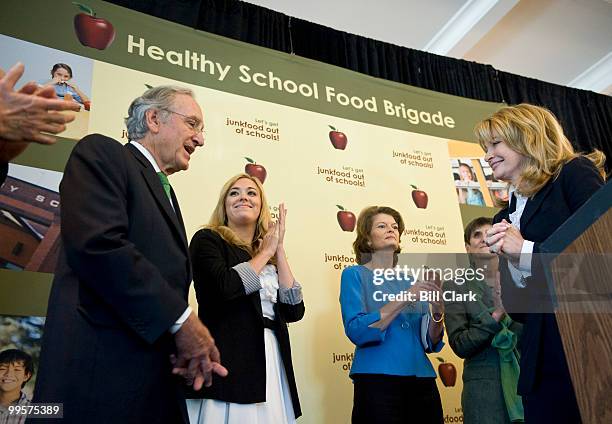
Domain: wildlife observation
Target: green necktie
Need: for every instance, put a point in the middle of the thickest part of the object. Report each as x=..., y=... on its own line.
x=165, y=184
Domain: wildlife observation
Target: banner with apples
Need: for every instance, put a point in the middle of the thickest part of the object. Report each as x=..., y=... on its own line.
x=325, y=141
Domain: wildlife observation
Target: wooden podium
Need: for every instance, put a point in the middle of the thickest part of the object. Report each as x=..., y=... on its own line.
x=579, y=277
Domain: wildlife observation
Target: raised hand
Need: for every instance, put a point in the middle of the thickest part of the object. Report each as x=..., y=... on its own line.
x=423, y=289
x=269, y=242
x=499, y=311
x=512, y=243
x=432, y=290
x=282, y=217
x=26, y=113
x=496, y=289
x=495, y=236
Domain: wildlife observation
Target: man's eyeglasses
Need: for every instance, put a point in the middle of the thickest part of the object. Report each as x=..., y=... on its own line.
x=192, y=122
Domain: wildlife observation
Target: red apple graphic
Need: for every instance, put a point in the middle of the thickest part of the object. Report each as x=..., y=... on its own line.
x=447, y=372
x=91, y=31
x=255, y=170
x=338, y=139
x=419, y=197
x=346, y=219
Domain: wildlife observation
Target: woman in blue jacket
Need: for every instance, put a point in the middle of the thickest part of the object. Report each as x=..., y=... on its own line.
x=393, y=379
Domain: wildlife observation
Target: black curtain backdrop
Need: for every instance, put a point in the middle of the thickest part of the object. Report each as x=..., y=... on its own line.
x=586, y=116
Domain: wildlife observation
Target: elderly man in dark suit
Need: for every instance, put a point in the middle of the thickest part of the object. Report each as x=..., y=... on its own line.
x=118, y=308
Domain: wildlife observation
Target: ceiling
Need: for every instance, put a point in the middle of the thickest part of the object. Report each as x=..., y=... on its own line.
x=567, y=42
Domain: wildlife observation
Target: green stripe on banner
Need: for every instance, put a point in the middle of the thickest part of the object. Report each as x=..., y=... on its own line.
x=24, y=293
x=470, y=212
x=42, y=156
x=163, y=48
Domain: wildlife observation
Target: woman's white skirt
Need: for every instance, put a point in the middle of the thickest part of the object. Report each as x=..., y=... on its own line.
x=277, y=409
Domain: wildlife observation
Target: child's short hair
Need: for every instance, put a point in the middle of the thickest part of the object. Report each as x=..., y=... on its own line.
x=11, y=356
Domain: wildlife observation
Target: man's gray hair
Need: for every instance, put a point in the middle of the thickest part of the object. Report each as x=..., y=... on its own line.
x=160, y=98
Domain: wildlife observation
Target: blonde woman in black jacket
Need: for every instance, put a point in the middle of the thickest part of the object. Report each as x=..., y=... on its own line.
x=246, y=294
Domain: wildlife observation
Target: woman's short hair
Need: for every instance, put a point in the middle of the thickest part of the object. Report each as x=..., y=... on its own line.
x=535, y=133
x=474, y=225
x=160, y=98
x=61, y=66
x=361, y=246
x=218, y=220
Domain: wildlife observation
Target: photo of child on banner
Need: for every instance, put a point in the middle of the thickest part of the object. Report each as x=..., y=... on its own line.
x=473, y=178
x=71, y=76
x=19, y=352
x=467, y=185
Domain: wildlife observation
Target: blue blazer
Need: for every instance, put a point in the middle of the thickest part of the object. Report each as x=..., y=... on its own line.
x=397, y=350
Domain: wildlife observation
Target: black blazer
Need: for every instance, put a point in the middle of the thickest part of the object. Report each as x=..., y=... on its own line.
x=121, y=282
x=541, y=347
x=235, y=320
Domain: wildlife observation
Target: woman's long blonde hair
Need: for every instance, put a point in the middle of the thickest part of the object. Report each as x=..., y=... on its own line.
x=535, y=133
x=218, y=219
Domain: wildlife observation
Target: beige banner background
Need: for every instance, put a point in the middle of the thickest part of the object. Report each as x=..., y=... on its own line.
x=294, y=164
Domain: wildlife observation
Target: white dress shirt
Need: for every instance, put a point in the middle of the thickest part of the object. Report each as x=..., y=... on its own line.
x=524, y=268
